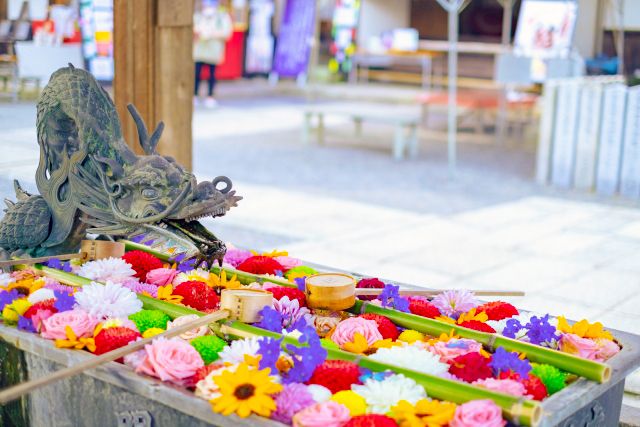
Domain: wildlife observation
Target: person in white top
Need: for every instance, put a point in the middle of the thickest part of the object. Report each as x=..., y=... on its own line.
x=212, y=27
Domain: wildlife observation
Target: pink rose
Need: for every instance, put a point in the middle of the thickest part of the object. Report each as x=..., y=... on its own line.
x=451, y=349
x=161, y=276
x=478, y=413
x=325, y=414
x=346, y=329
x=81, y=322
x=171, y=360
x=505, y=386
x=39, y=317
x=606, y=349
x=193, y=333
x=583, y=347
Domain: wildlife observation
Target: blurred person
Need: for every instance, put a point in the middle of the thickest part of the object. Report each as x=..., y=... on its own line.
x=212, y=28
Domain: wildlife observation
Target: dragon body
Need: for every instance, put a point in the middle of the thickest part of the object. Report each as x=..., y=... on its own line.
x=90, y=181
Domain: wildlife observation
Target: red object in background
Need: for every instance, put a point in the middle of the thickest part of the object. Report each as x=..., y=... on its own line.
x=231, y=68
x=38, y=24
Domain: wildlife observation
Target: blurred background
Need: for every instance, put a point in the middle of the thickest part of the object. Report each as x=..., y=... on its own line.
x=477, y=144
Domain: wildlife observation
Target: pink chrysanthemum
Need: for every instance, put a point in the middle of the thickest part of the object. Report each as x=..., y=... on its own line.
x=455, y=302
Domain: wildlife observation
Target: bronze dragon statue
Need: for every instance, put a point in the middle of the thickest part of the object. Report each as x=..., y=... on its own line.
x=90, y=181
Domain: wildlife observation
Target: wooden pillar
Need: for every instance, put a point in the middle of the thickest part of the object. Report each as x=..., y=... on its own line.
x=154, y=71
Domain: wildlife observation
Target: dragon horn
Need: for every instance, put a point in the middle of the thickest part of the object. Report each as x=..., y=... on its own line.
x=20, y=193
x=148, y=144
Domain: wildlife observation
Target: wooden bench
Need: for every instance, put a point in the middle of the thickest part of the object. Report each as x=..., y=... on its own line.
x=404, y=120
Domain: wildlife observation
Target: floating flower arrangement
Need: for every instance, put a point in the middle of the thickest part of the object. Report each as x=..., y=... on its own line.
x=390, y=360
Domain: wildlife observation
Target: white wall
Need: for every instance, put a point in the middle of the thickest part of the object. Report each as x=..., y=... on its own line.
x=585, y=35
x=377, y=16
x=631, y=16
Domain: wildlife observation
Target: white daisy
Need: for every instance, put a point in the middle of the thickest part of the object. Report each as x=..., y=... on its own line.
x=110, y=300
x=234, y=353
x=112, y=269
x=412, y=357
x=382, y=395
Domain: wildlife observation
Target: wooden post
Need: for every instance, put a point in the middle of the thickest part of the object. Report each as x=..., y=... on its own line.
x=154, y=71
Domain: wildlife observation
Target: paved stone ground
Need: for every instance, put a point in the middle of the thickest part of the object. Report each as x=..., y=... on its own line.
x=350, y=205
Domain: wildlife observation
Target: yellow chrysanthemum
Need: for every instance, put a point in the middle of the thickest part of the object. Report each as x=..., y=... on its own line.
x=165, y=293
x=152, y=332
x=274, y=253
x=73, y=341
x=355, y=403
x=429, y=413
x=446, y=319
x=291, y=277
x=410, y=336
x=245, y=391
x=11, y=312
x=385, y=343
x=584, y=329
x=359, y=344
x=444, y=337
x=471, y=315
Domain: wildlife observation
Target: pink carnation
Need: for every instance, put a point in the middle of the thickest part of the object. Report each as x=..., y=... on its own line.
x=235, y=257
x=506, y=386
x=583, y=347
x=346, y=330
x=81, y=322
x=161, y=276
x=606, y=349
x=288, y=262
x=451, y=349
x=478, y=413
x=171, y=360
x=326, y=414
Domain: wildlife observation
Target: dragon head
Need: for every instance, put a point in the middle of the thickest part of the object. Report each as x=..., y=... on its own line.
x=155, y=196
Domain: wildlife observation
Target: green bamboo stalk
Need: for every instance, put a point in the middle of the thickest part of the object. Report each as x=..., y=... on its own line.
x=518, y=410
x=589, y=369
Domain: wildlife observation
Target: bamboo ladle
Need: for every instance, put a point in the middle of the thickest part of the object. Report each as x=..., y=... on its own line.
x=89, y=250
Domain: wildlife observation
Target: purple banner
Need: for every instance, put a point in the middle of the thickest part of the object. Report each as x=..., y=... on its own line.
x=294, y=40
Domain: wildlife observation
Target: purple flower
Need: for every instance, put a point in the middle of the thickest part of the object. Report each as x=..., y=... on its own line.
x=301, y=283
x=306, y=357
x=291, y=312
x=269, y=349
x=390, y=297
x=293, y=398
x=148, y=242
x=25, y=324
x=55, y=286
x=505, y=361
x=235, y=257
x=512, y=328
x=55, y=263
x=270, y=319
x=178, y=258
x=140, y=287
x=540, y=331
x=138, y=239
x=64, y=301
x=187, y=265
x=7, y=297
x=455, y=302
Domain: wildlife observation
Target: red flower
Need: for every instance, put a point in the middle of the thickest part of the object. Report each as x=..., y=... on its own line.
x=142, y=263
x=260, y=265
x=498, y=310
x=111, y=338
x=535, y=387
x=371, y=283
x=423, y=308
x=371, y=420
x=293, y=293
x=471, y=367
x=385, y=326
x=478, y=326
x=336, y=375
x=201, y=373
x=197, y=295
x=42, y=305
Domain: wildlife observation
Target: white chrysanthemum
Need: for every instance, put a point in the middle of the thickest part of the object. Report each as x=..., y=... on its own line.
x=410, y=356
x=523, y=318
x=382, y=395
x=110, y=300
x=41, y=294
x=198, y=274
x=234, y=353
x=5, y=279
x=113, y=269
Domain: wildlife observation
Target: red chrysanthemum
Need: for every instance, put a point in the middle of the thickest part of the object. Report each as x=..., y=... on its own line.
x=498, y=310
x=336, y=375
x=471, y=367
x=260, y=265
x=42, y=305
x=385, y=326
x=293, y=293
x=478, y=326
x=197, y=295
x=142, y=263
x=201, y=373
x=534, y=386
x=111, y=338
x=423, y=308
x=371, y=420
x=371, y=283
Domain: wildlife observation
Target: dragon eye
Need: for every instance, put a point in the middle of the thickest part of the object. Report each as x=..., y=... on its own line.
x=149, y=193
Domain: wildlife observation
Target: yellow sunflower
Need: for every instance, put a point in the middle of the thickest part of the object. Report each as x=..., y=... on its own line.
x=245, y=391
x=27, y=285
